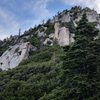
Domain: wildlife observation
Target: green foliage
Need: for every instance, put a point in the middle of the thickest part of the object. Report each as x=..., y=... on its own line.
x=34, y=78
x=34, y=40
x=75, y=11
x=55, y=73
x=81, y=64
x=45, y=56
x=30, y=31
x=50, y=28
x=69, y=25
x=86, y=29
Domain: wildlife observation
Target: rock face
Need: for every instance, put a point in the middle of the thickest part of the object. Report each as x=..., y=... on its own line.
x=92, y=15
x=62, y=32
x=41, y=34
x=57, y=27
x=66, y=18
x=48, y=41
x=14, y=55
x=62, y=35
x=57, y=30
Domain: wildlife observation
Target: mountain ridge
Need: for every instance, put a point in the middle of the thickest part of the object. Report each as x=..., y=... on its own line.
x=59, y=30
x=55, y=71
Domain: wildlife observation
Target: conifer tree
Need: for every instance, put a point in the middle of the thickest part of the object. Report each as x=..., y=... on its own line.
x=81, y=63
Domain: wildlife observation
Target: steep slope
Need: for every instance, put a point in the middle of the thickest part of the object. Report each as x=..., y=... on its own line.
x=67, y=18
x=60, y=30
x=14, y=55
x=33, y=77
x=54, y=72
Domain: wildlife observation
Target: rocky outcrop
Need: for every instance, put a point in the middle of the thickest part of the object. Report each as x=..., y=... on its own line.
x=14, y=55
x=48, y=41
x=57, y=27
x=57, y=30
x=66, y=18
x=62, y=35
x=41, y=34
x=76, y=15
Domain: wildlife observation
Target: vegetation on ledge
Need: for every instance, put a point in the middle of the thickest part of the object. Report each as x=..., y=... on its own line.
x=55, y=73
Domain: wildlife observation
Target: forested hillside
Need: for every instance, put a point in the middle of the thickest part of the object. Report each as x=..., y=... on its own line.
x=58, y=73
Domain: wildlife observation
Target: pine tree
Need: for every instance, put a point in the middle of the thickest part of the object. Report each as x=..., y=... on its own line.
x=81, y=63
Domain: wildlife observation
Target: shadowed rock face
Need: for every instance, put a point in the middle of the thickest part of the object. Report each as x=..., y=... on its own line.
x=14, y=55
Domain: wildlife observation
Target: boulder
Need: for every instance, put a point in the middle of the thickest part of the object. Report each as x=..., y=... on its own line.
x=48, y=41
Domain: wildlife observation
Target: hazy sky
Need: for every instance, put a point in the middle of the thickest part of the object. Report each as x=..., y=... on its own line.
x=15, y=14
